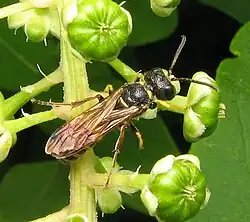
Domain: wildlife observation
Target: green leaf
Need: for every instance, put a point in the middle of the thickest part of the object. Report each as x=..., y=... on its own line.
x=237, y=9
x=225, y=155
x=148, y=27
x=30, y=191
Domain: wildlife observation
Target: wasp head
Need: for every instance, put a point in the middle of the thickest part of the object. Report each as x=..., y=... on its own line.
x=159, y=84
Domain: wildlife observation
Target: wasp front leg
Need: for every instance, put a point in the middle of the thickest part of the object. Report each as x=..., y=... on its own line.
x=72, y=104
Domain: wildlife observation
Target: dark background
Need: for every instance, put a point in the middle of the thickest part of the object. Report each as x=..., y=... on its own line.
x=209, y=33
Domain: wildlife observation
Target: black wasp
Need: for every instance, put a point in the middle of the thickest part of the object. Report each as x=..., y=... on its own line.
x=115, y=111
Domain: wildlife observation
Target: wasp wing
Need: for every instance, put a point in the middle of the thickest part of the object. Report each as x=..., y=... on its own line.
x=89, y=127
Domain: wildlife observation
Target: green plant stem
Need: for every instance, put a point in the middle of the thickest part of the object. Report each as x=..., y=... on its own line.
x=55, y=217
x=125, y=71
x=20, y=124
x=15, y=8
x=82, y=198
x=178, y=104
x=120, y=180
x=12, y=104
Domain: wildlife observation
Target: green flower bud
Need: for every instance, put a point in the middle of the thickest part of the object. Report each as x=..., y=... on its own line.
x=37, y=27
x=202, y=110
x=7, y=140
x=76, y=218
x=107, y=164
x=109, y=200
x=164, y=8
x=97, y=29
x=176, y=190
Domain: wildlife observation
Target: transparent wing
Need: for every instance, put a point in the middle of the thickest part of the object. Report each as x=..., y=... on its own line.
x=89, y=127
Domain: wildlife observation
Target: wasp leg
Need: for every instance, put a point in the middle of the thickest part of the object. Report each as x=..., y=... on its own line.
x=138, y=135
x=73, y=104
x=117, y=150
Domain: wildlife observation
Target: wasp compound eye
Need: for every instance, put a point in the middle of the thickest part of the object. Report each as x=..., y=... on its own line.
x=159, y=84
x=135, y=94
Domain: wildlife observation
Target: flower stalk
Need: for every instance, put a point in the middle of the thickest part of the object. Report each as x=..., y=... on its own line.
x=15, y=102
x=15, y=8
x=82, y=197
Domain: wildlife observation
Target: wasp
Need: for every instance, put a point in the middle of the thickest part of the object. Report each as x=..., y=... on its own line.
x=116, y=111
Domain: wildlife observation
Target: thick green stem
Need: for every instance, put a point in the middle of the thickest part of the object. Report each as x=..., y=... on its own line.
x=15, y=8
x=125, y=71
x=82, y=198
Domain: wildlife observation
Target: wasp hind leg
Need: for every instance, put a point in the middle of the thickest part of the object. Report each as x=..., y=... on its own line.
x=117, y=150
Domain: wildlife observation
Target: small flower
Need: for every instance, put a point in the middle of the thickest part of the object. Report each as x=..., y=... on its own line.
x=37, y=27
x=176, y=190
x=164, y=8
x=38, y=21
x=109, y=200
x=76, y=218
x=203, y=108
x=7, y=140
x=97, y=29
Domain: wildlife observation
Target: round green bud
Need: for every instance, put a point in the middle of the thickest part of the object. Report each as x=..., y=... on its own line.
x=107, y=163
x=7, y=140
x=37, y=27
x=76, y=218
x=164, y=8
x=109, y=200
x=97, y=29
x=202, y=109
x=176, y=190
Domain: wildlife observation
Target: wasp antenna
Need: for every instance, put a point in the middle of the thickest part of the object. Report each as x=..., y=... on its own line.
x=178, y=52
x=181, y=79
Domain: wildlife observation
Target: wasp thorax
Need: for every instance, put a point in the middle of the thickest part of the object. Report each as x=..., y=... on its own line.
x=135, y=94
x=159, y=84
